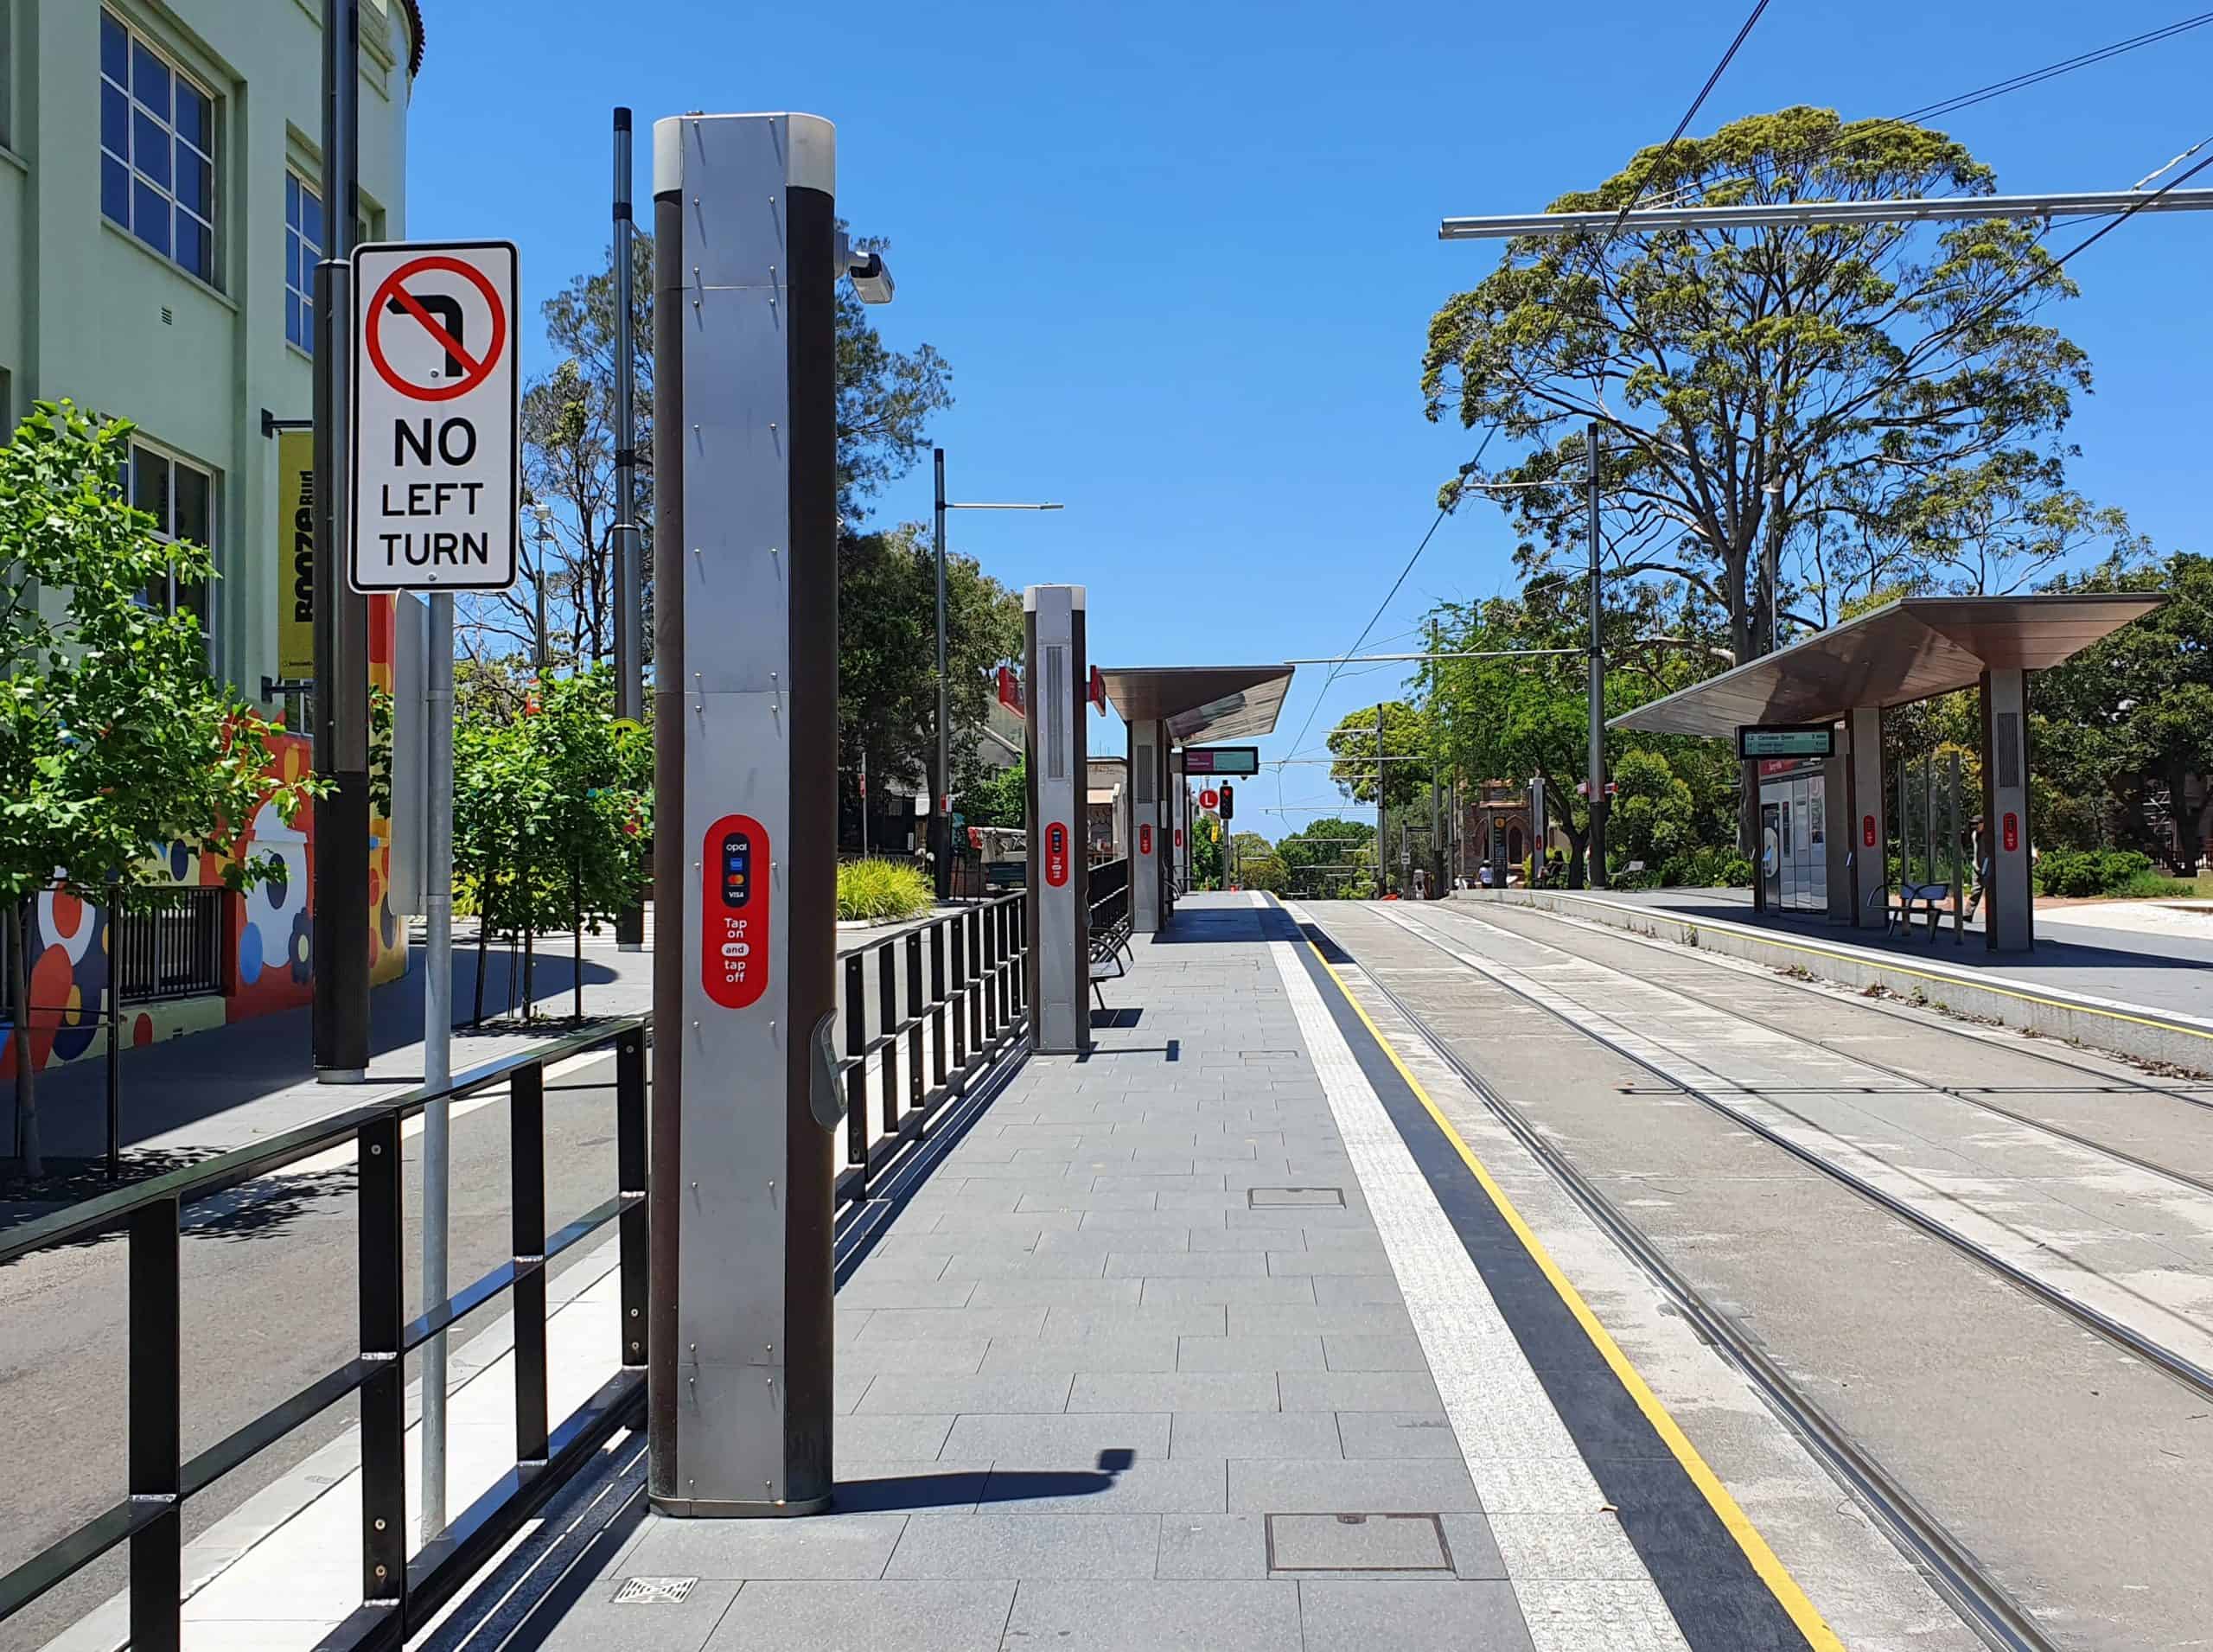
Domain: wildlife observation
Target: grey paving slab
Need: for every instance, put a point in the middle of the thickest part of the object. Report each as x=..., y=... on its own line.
x=888, y=1436
x=1397, y=1434
x=1044, y=1438
x=826, y=1546
x=882, y=1292
x=1359, y=1617
x=1266, y=1352
x=1357, y=1290
x=1475, y=1551
x=1087, y=1198
x=1371, y=1352
x=1000, y=1391
x=1358, y=1391
x=913, y=1615
x=1171, y=1319
x=1244, y=1239
x=1135, y=1264
x=1104, y=1242
x=969, y=1266
x=1357, y=1543
x=1141, y=1223
x=895, y=1324
x=1052, y=1292
x=1131, y=1351
x=1313, y=1486
x=1175, y=1391
x=988, y=1221
x=1176, y=1615
x=1213, y=1546
x=597, y=1624
x=906, y=1484
x=1176, y=1485
x=1160, y=1292
x=1254, y=1434
x=1257, y=1319
x=1335, y=1260
x=991, y=1545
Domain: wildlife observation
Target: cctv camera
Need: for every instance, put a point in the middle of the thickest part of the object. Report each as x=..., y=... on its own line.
x=871, y=278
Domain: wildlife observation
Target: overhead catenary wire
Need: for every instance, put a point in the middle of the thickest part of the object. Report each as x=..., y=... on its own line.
x=1691, y=114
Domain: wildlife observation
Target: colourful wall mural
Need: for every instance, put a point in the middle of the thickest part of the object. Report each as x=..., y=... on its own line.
x=267, y=945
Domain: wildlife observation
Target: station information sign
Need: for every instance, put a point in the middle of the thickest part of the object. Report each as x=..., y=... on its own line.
x=1787, y=740
x=1222, y=760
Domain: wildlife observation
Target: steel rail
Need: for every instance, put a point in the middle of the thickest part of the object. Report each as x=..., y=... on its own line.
x=2185, y=1372
x=1982, y=1602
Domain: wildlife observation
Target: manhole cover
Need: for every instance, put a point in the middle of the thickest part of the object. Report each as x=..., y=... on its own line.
x=653, y=1592
x=1268, y=1198
x=1357, y=1543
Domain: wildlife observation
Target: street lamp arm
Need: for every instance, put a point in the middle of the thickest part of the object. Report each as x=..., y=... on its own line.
x=954, y=505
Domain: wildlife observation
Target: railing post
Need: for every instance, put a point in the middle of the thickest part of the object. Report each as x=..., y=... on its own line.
x=527, y=1156
x=887, y=1017
x=634, y=1224
x=958, y=924
x=914, y=1016
x=987, y=951
x=384, y=1394
x=856, y=1007
x=938, y=1001
x=973, y=922
x=156, y=1401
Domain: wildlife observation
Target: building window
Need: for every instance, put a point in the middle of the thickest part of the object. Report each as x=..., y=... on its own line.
x=157, y=150
x=303, y=251
x=181, y=497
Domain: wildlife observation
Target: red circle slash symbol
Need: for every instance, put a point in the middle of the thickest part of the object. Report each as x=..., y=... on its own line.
x=393, y=299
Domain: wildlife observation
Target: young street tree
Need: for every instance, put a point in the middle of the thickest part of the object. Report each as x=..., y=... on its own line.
x=1405, y=749
x=115, y=742
x=1861, y=404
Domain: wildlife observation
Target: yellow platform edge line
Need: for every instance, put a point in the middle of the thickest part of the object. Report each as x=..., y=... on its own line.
x=1764, y=1561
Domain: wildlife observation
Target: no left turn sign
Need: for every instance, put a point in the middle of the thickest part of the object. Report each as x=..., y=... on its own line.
x=435, y=481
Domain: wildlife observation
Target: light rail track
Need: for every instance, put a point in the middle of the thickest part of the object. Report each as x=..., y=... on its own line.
x=1982, y=1602
x=2186, y=1372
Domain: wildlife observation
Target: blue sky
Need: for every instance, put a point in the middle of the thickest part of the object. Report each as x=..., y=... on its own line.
x=1182, y=258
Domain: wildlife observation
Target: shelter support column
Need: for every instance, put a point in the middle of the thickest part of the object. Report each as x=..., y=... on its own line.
x=1147, y=740
x=1059, y=965
x=1837, y=839
x=2009, y=899
x=1863, y=757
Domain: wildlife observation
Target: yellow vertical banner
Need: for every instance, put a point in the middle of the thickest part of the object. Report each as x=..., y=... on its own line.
x=295, y=554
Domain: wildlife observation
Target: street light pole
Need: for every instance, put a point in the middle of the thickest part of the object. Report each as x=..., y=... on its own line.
x=1597, y=754
x=942, y=802
x=629, y=567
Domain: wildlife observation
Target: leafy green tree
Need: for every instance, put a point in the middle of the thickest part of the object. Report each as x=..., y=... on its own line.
x=1406, y=755
x=1331, y=857
x=552, y=811
x=115, y=742
x=2127, y=725
x=1654, y=817
x=1207, y=864
x=1255, y=864
x=887, y=654
x=1856, y=402
x=1000, y=797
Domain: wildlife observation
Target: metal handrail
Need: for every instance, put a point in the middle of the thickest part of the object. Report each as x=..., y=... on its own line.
x=400, y=1591
x=971, y=1017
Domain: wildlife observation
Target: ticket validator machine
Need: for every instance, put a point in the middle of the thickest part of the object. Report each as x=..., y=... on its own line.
x=747, y=261
x=1055, y=678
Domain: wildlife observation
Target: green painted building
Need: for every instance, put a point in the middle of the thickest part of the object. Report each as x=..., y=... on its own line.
x=159, y=225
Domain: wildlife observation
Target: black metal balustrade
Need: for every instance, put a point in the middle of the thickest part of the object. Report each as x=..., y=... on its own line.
x=400, y=1591
x=972, y=1015
x=170, y=943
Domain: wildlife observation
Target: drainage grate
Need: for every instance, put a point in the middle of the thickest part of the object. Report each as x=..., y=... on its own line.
x=1357, y=1543
x=1278, y=1198
x=653, y=1592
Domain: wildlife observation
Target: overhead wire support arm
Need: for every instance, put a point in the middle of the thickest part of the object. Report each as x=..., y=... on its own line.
x=1787, y=214
x=1474, y=653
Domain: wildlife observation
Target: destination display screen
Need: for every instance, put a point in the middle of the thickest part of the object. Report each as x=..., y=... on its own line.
x=1796, y=741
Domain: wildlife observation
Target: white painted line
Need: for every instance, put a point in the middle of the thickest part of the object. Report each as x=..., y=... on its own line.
x=1524, y=1462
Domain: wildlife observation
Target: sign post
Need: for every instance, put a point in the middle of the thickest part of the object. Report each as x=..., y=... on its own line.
x=1056, y=756
x=745, y=692
x=434, y=475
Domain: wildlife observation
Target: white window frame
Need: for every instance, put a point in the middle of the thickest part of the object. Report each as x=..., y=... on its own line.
x=138, y=178
x=211, y=624
x=297, y=249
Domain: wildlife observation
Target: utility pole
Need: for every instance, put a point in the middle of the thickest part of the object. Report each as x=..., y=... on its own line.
x=1597, y=775
x=941, y=781
x=438, y=1047
x=1382, y=815
x=1436, y=825
x=340, y=941
x=629, y=569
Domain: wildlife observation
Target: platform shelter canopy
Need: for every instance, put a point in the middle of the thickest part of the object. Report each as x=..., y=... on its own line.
x=1200, y=703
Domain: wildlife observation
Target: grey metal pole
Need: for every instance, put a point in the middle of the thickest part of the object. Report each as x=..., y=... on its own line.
x=341, y=935
x=541, y=644
x=1598, y=736
x=941, y=801
x=1382, y=815
x=630, y=565
x=1436, y=811
x=438, y=1048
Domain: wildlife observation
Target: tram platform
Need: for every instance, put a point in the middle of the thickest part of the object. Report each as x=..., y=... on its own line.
x=2143, y=993
x=1224, y=1337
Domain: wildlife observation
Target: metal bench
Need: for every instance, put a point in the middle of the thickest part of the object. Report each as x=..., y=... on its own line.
x=1110, y=951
